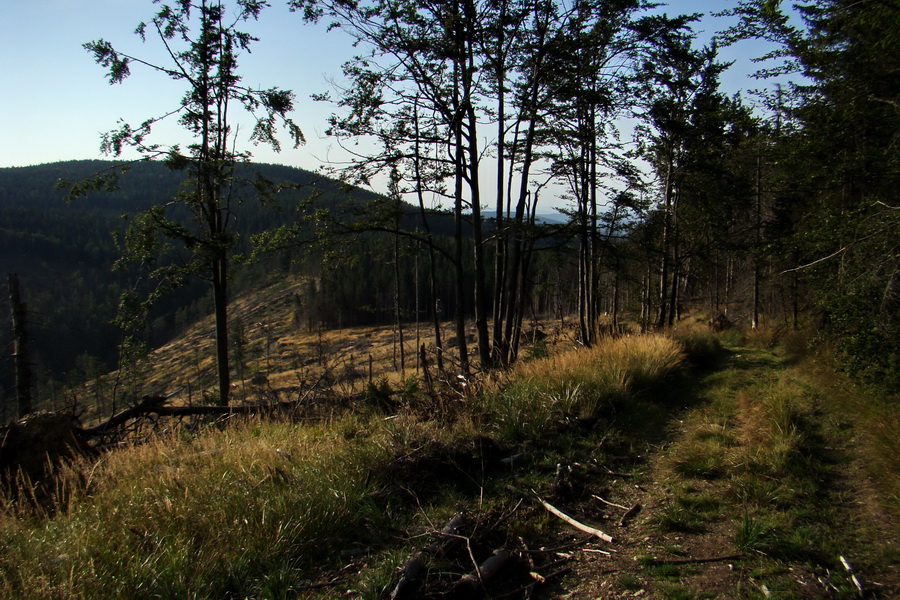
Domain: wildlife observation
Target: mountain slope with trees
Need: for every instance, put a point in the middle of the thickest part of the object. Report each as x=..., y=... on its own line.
x=64, y=253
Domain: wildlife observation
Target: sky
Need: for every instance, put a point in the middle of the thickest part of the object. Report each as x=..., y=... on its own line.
x=56, y=102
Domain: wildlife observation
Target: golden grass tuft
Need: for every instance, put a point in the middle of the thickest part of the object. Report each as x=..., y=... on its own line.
x=175, y=516
x=577, y=384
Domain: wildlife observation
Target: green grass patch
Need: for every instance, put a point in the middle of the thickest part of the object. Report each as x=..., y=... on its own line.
x=228, y=512
x=768, y=443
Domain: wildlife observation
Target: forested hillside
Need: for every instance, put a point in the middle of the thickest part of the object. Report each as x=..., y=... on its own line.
x=64, y=253
x=658, y=367
x=773, y=214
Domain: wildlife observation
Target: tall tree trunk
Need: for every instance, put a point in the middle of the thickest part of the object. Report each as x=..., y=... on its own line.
x=429, y=240
x=397, y=317
x=593, y=237
x=19, y=312
x=795, y=309
x=500, y=227
x=662, y=316
x=615, y=301
x=513, y=299
x=757, y=239
x=516, y=271
x=481, y=300
x=458, y=166
x=524, y=287
x=220, y=301
x=676, y=262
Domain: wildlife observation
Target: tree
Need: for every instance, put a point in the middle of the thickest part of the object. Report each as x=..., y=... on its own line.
x=687, y=123
x=841, y=164
x=592, y=72
x=19, y=312
x=447, y=86
x=203, y=43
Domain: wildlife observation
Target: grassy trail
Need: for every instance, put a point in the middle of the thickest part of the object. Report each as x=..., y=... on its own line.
x=769, y=476
x=753, y=478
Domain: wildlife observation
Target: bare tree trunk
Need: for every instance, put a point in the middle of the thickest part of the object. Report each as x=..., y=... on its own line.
x=676, y=264
x=416, y=287
x=594, y=234
x=758, y=238
x=795, y=309
x=19, y=312
x=220, y=300
x=397, y=320
x=647, y=297
x=662, y=316
x=615, y=301
x=429, y=240
x=500, y=232
x=481, y=304
x=457, y=231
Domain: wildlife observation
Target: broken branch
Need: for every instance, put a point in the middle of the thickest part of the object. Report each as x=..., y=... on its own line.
x=608, y=503
x=628, y=515
x=695, y=561
x=555, y=511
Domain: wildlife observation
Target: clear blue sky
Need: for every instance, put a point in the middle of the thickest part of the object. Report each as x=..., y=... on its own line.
x=56, y=102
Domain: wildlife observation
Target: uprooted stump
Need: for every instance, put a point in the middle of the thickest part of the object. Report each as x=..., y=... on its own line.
x=720, y=323
x=31, y=447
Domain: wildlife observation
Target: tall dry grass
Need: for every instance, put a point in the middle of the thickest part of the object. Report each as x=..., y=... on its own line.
x=196, y=518
x=248, y=510
x=578, y=384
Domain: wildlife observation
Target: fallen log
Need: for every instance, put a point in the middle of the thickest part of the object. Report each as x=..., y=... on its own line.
x=147, y=405
x=155, y=405
x=415, y=566
x=474, y=585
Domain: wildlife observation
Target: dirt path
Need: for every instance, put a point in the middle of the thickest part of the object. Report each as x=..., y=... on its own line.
x=752, y=489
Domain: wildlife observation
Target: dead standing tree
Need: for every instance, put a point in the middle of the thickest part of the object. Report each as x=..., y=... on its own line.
x=19, y=312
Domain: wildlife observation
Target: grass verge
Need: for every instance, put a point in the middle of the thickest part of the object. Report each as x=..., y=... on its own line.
x=780, y=453
x=256, y=508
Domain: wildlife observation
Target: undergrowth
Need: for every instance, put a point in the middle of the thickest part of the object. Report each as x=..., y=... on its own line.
x=578, y=385
x=212, y=515
x=769, y=443
x=251, y=509
x=257, y=508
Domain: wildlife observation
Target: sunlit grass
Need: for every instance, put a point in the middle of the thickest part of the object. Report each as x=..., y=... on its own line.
x=771, y=440
x=251, y=509
x=577, y=385
x=199, y=517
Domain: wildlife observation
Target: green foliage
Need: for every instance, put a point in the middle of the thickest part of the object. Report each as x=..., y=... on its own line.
x=868, y=340
x=838, y=169
x=702, y=348
x=752, y=534
x=203, y=52
x=536, y=349
x=64, y=254
x=380, y=394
